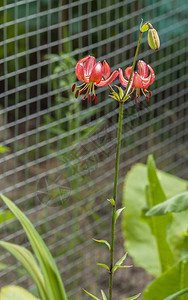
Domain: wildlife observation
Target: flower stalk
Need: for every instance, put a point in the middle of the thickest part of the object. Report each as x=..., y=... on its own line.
x=120, y=121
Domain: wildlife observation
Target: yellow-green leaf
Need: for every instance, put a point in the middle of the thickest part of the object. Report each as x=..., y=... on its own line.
x=13, y=292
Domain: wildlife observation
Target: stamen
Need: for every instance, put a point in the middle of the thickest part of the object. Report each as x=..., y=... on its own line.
x=96, y=99
x=147, y=98
x=76, y=94
x=136, y=100
x=93, y=97
x=89, y=98
x=78, y=86
x=73, y=87
x=150, y=93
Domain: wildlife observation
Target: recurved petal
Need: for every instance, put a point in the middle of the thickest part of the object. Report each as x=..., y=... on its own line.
x=89, y=64
x=109, y=80
x=128, y=72
x=123, y=81
x=150, y=79
x=83, y=59
x=96, y=74
x=142, y=68
x=80, y=71
x=105, y=70
x=137, y=81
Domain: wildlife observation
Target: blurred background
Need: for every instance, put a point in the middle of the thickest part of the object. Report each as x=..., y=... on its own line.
x=59, y=165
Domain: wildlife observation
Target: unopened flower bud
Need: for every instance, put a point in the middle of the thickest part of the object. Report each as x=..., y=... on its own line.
x=153, y=39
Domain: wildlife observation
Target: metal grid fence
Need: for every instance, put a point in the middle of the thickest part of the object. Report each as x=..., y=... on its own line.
x=60, y=165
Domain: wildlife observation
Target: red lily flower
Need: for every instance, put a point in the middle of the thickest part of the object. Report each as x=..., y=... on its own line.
x=93, y=74
x=140, y=80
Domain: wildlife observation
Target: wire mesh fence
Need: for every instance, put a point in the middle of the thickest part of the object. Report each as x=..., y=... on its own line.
x=59, y=167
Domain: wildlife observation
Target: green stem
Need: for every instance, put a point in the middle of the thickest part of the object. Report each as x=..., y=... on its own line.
x=134, y=63
x=116, y=171
x=115, y=196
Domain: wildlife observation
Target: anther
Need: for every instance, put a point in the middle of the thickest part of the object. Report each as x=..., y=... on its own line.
x=147, y=98
x=150, y=93
x=89, y=98
x=96, y=99
x=93, y=97
x=73, y=87
x=76, y=94
x=136, y=100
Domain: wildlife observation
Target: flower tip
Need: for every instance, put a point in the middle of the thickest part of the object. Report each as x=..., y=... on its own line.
x=153, y=39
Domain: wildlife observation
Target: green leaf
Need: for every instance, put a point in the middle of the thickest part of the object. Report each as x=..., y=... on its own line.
x=121, y=92
x=178, y=294
x=103, y=295
x=103, y=265
x=119, y=262
x=170, y=282
x=159, y=225
x=5, y=215
x=140, y=242
x=4, y=149
x=15, y=292
x=91, y=295
x=52, y=278
x=133, y=297
x=103, y=242
x=111, y=201
x=3, y=266
x=27, y=260
x=175, y=204
x=118, y=212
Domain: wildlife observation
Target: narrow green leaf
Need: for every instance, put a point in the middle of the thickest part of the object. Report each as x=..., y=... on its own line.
x=119, y=262
x=103, y=295
x=121, y=267
x=133, y=298
x=104, y=266
x=5, y=215
x=178, y=294
x=121, y=92
x=94, y=297
x=52, y=278
x=3, y=266
x=15, y=292
x=111, y=201
x=175, y=204
x=103, y=242
x=118, y=212
x=27, y=260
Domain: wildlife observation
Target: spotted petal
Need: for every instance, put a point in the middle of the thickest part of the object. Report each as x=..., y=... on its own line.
x=123, y=81
x=128, y=72
x=150, y=79
x=137, y=81
x=89, y=64
x=142, y=69
x=96, y=74
x=105, y=70
x=80, y=71
x=109, y=80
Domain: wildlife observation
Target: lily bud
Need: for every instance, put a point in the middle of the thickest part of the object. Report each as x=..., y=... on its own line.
x=153, y=39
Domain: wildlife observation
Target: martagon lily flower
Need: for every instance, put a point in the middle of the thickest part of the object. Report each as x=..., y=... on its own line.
x=92, y=74
x=140, y=81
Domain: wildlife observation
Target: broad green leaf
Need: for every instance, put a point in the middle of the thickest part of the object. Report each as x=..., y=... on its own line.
x=133, y=297
x=52, y=278
x=178, y=294
x=170, y=282
x=103, y=295
x=159, y=224
x=118, y=212
x=15, y=292
x=119, y=262
x=94, y=297
x=27, y=260
x=103, y=242
x=176, y=204
x=140, y=242
x=103, y=265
